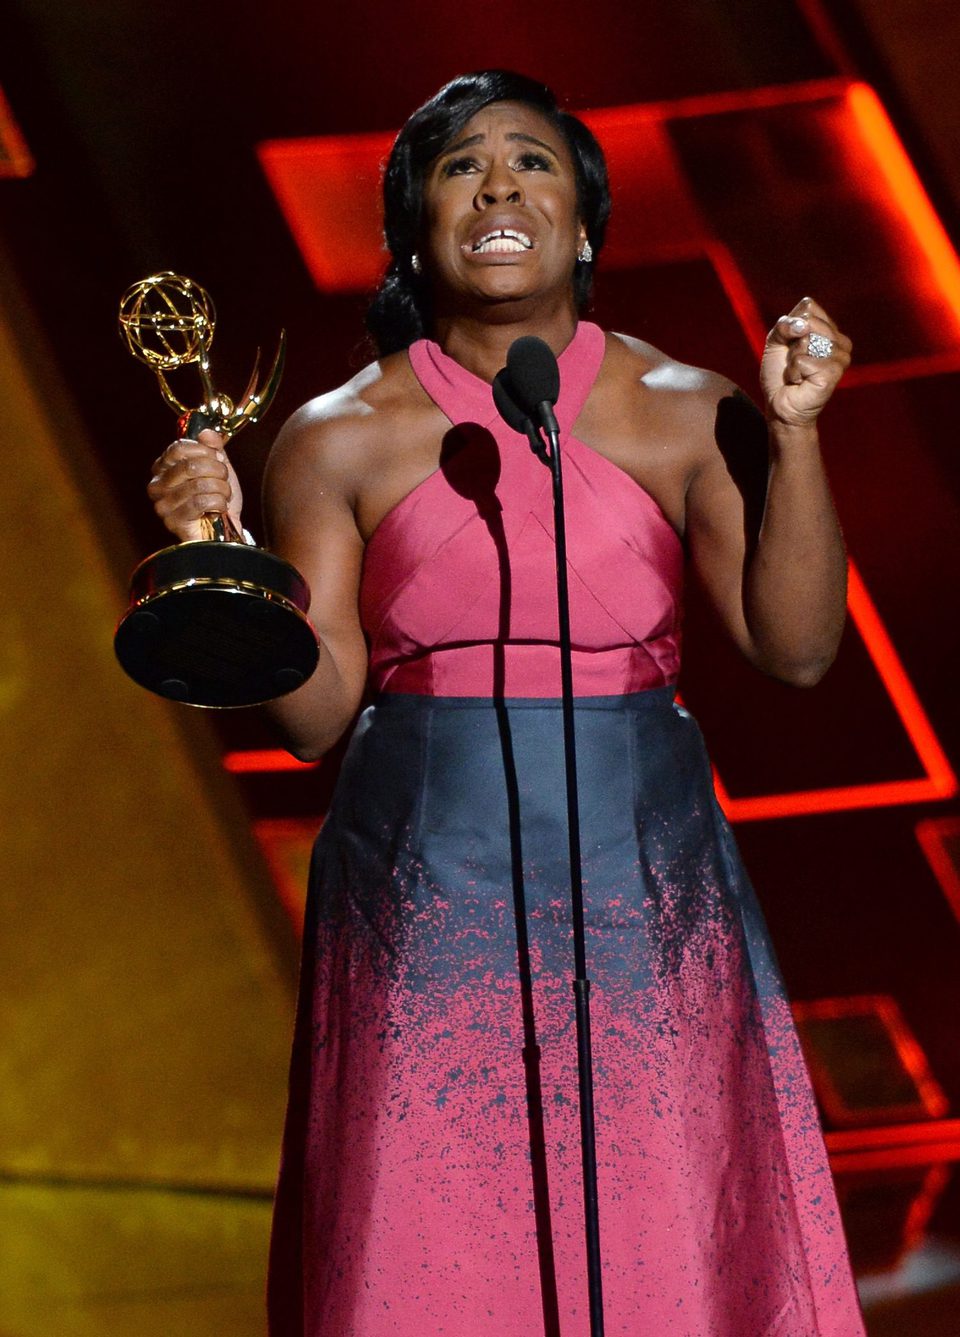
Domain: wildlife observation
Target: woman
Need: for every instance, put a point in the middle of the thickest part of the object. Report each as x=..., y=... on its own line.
x=430, y=1178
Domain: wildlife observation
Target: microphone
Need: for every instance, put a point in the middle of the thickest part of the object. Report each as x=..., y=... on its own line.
x=534, y=380
x=525, y=392
x=504, y=397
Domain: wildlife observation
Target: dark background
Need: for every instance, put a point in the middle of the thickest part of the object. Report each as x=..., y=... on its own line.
x=143, y=121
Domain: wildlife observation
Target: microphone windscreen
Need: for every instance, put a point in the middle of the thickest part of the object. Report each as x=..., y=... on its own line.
x=534, y=374
x=507, y=406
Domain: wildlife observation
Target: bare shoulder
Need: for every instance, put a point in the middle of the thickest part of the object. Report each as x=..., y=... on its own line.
x=657, y=372
x=661, y=420
x=338, y=436
x=699, y=411
x=332, y=427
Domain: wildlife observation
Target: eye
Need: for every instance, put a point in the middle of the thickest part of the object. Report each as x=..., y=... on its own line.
x=459, y=166
x=531, y=161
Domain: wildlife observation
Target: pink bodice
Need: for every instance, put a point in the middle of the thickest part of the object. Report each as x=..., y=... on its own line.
x=458, y=595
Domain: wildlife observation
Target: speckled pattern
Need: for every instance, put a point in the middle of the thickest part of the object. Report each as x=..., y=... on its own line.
x=409, y=1153
x=431, y=1167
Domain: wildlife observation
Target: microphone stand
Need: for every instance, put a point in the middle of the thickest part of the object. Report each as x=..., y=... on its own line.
x=581, y=984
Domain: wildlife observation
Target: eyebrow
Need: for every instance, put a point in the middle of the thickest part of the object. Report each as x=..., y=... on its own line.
x=514, y=136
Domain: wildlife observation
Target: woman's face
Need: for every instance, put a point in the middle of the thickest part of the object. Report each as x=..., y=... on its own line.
x=500, y=217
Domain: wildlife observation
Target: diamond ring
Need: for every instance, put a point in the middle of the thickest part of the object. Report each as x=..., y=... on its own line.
x=818, y=345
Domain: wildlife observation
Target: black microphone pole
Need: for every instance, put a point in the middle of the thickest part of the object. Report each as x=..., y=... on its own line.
x=581, y=984
x=531, y=378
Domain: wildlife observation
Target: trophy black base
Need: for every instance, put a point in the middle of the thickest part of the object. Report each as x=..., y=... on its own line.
x=217, y=625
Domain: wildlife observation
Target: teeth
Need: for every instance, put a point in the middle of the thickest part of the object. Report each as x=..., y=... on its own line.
x=499, y=244
x=503, y=241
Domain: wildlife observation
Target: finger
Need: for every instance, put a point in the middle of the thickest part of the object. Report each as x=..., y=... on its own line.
x=839, y=356
x=787, y=330
x=188, y=475
x=835, y=349
x=820, y=320
x=792, y=328
x=792, y=374
x=819, y=370
x=164, y=494
x=208, y=437
x=190, y=503
x=195, y=495
x=185, y=448
x=810, y=308
x=173, y=467
x=839, y=340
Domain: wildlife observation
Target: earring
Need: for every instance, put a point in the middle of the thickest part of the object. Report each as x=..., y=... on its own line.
x=586, y=255
x=415, y=264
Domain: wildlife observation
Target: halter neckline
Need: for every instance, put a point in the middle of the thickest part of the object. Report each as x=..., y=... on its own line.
x=465, y=397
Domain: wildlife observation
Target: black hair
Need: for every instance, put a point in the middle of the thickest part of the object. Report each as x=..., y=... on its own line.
x=399, y=312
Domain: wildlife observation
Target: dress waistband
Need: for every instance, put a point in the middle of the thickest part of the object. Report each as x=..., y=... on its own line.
x=403, y=703
x=496, y=670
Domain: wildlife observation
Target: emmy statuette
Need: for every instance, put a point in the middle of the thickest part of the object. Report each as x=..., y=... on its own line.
x=214, y=622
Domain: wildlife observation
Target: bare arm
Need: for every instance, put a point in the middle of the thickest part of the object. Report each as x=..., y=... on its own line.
x=310, y=521
x=309, y=515
x=761, y=525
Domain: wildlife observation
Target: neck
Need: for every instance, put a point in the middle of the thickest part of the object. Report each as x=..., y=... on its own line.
x=480, y=343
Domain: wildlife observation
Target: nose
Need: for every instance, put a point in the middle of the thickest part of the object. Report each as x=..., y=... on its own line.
x=499, y=186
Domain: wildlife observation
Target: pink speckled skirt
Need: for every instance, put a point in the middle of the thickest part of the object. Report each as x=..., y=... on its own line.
x=431, y=1168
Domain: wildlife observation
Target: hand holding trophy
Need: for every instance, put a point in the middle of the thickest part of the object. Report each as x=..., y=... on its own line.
x=214, y=622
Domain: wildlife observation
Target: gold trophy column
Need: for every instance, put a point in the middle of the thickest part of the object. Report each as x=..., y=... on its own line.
x=216, y=622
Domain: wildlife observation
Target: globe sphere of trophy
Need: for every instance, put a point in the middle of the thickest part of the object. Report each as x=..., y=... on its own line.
x=217, y=621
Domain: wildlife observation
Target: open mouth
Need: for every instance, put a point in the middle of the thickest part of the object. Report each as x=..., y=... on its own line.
x=503, y=241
